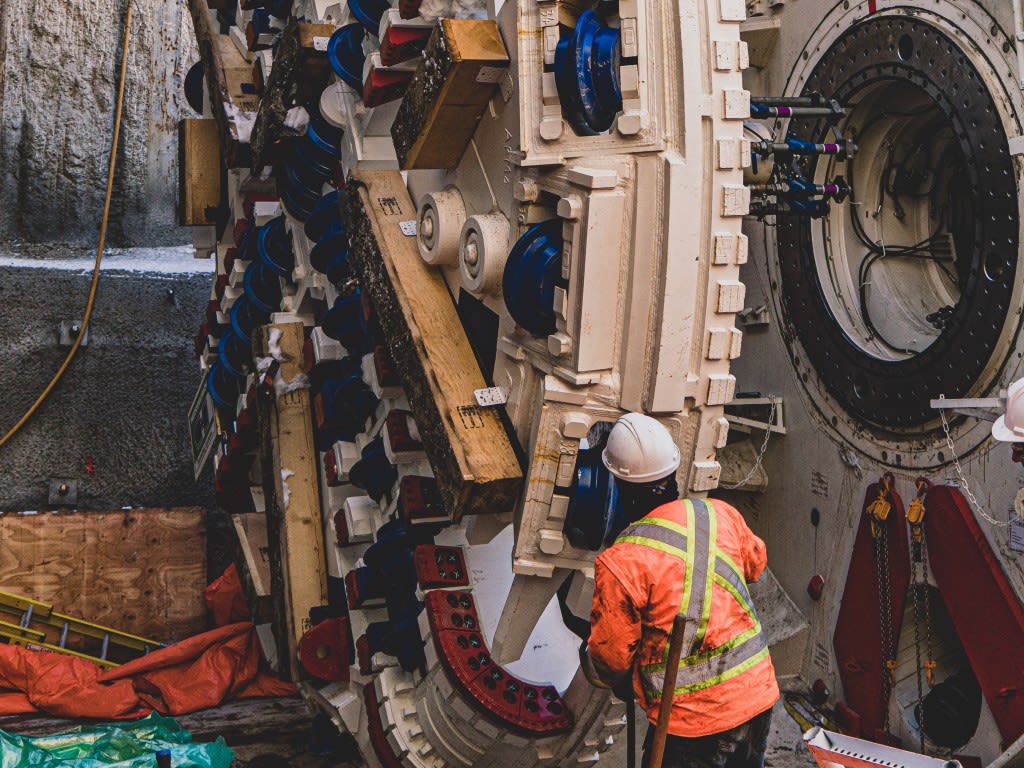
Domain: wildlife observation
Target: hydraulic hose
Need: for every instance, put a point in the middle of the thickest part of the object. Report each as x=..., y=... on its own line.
x=99, y=247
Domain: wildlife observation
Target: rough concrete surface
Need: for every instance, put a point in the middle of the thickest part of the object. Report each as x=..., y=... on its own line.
x=125, y=397
x=785, y=743
x=58, y=69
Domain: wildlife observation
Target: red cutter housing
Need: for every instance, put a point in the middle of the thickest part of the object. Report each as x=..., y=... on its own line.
x=512, y=703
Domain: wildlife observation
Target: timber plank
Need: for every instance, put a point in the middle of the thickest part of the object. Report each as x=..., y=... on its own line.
x=226, y=73
x=298, y=574
x=199, y=169
x=299, y=75
x=250, y=551
x=252, y=537
x=139, y=570
x=462, y=64
x=468, y=448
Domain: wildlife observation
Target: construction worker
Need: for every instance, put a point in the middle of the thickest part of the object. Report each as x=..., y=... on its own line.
x=693, y=559
x=1009, y=428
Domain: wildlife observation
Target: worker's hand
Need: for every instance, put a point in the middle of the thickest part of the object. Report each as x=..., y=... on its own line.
x=621, y=686
x=587, y=665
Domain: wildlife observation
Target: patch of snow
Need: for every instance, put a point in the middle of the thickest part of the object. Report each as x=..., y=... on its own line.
x=174, y=260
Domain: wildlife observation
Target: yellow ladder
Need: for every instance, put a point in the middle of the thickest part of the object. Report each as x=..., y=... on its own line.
x=35, y=612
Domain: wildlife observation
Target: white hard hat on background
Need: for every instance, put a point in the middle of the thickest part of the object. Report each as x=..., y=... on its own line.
x=1010, y=427
x=640, y=450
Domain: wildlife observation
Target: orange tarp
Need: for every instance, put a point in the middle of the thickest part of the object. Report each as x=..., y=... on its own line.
x=200, y=672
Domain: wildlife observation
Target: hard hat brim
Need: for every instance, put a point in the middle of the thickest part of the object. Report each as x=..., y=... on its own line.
x=647, y=477
x=1003, y=433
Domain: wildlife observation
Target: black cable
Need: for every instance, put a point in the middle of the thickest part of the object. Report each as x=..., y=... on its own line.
x=887, y=185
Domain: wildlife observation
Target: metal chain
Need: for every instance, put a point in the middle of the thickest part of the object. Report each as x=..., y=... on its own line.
x=916, y=586
x=928, y=601
x=922, y=607
x=964, y=485
x=760, y=454
x=885, y=612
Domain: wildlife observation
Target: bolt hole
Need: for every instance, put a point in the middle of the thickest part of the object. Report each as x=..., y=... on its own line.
x=995, y=266
x=905, y=48
x=860, y=387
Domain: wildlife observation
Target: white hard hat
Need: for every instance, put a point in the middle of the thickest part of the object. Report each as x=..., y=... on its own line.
x=1010, y=427
x=640, y=450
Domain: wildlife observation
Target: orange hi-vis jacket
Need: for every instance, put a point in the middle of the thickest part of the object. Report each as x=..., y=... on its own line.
x=692, y=559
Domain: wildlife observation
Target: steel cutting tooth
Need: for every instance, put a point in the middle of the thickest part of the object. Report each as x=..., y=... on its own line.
x=454, y=716
x=450, y=748
x=396, y=693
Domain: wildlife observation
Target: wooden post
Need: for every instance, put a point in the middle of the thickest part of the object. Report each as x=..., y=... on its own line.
x=298, y=567
x=226, y=72
x=299, y=75
x=199, y=170
x=463, y=63
x=468, y=448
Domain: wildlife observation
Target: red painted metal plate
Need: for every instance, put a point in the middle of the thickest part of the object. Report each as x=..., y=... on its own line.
x=857, y=639
x=376, y=730
x=438, y=567
x=324, y=650
x=983, y=606
x=513, y=703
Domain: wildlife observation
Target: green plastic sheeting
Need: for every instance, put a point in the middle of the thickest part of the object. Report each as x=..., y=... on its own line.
x=128, y=745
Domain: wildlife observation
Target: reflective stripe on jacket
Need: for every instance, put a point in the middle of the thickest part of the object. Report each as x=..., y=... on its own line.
x=692, y=559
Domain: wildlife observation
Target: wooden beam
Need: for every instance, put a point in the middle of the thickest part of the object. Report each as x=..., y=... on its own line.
x=199, y=170
x=299, y=75
x=463, y=62
x=251, y=530
x=295, y=533
x=250, y=551
x=141, y=571
x=468, y=447
x=226, y=73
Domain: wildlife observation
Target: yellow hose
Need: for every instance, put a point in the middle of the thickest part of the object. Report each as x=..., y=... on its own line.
x=99, y=248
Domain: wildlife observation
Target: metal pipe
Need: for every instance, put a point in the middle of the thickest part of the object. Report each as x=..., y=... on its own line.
x=787, y=101
x=768, y=111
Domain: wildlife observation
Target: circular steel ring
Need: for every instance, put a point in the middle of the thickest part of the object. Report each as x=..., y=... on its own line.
x=894, y=395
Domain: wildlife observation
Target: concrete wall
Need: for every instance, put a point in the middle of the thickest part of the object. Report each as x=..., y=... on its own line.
x=125, y=397
x=58, y=87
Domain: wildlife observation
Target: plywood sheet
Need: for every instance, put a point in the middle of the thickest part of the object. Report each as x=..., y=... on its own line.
x=139, y=570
